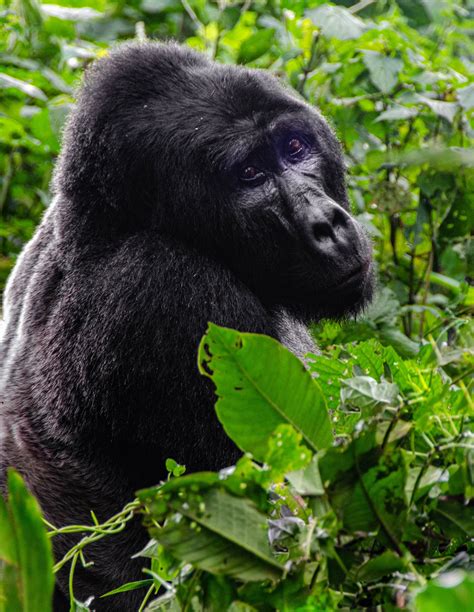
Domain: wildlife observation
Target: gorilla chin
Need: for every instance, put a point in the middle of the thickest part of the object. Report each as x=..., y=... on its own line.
x=346, y=298
x=353, y=293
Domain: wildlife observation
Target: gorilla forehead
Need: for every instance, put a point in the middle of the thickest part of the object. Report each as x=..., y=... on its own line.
x=225, y=112
x=175, y=96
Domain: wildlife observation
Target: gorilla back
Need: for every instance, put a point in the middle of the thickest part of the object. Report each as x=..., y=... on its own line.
x=186, y=192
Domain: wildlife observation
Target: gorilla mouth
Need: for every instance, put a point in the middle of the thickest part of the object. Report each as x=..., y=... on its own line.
x=356, y=278
x=346, y=297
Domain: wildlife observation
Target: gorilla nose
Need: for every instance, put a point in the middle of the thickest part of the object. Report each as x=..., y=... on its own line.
x=329, y=223
x=331, y=227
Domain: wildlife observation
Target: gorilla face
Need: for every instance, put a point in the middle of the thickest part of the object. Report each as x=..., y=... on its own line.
x=301, y=247
x=226, y=161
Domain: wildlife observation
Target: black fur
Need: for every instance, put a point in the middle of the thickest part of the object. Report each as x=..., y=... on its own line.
x=152, y=234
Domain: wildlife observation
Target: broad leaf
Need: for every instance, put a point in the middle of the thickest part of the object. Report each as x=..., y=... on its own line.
x=329, y=373
x=337, y=22
x=7, y=81
x=221, y=534
x=66, y=13
x=453, y=591
x=260, y=385
x=378, y=567
x=383, y=70
x=9, y=571
x=255, y=46
x=367, y=394
x=447, y=110
x=466, y=97
x=366, y=490
x=33, y=548
x=308, y=480
x=398, y=112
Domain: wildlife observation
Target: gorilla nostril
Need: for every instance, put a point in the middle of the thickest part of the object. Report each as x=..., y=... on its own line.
x=322, y=230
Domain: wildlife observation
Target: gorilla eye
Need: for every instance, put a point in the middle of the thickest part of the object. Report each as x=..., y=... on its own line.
x=251, y=174
x=295, y=148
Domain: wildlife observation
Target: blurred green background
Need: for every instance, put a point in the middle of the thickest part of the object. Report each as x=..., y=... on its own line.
x=395, y=77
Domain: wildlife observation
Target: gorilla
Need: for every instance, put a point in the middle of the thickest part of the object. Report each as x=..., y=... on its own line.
x=186, y=192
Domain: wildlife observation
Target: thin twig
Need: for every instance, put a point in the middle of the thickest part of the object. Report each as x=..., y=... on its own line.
x=190, y=11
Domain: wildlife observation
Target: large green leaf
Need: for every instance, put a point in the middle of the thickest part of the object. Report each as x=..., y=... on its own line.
x=383, y=70
x=450, y=591
x=84, y=13
x=9, y=82
x=378, y=567
x=447, y=110
x=256, y=45
x=9, y=574
x=261, y=384
x=398, y=112
x=466, y=97
x=221, y=534
x=366, y=489
x=337, y=22
x=367, y=394
x=33, y=548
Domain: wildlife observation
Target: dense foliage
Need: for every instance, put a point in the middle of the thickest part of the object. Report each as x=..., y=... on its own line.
x=356, y=485
x=354, y=492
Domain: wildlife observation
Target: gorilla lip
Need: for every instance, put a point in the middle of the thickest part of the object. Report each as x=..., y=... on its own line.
x=359, y=274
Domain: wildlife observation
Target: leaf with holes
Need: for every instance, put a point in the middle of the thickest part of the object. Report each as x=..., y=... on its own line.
x=260, y=385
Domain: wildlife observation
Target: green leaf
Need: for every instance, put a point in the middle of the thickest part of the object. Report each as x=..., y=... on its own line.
x=66, y=13
x=222, y=535
x=366, y=488
x=328, y=373
x=447, y=159
x=9, y=82
x=198, y=480
x=466, y=97
x=30, y=12
x=337, y=22
x=367, y=394
x=308, y=480
x=261, y=384
x=229, y=17
x=453, y=591
x=174, y=468
x=378, y=567
x=458, y=519
x=219, y=592
x=383, y=70
x=33, y=547
x=398, y=112
x=285, y=453
x=9, y=574
x=256, y=45
x=429, y=477
x=130, y=586
x=7, y=536
x=446, y=110
x=158, y=6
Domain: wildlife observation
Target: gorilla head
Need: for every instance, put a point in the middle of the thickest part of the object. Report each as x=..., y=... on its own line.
x=226, y=160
